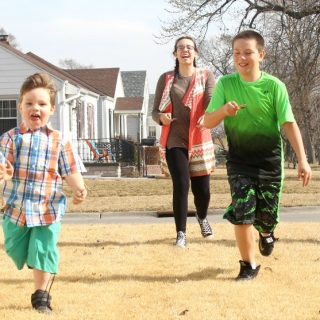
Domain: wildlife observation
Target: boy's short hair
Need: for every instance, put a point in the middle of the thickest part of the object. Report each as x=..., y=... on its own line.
x=250, y=34
x=39, y=80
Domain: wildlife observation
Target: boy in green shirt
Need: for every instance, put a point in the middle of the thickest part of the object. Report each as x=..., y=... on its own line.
x=254, y=106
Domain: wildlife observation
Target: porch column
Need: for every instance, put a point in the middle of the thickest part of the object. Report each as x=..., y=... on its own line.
x=85, y=118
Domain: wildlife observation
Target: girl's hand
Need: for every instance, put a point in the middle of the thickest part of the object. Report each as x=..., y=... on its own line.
x=166, y=119
x=200, y=123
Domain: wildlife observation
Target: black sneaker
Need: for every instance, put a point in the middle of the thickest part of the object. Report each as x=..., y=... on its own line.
x=41, y=300
x=205, y=228
x=181, y=240
x=246, y=271
x=266, y=244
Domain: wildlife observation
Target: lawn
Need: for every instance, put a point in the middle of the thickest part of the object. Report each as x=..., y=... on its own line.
x=155, y=194
x=133, y=271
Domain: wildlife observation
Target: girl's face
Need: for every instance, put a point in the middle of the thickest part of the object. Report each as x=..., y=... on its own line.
x=185, y=52
x=36, y=108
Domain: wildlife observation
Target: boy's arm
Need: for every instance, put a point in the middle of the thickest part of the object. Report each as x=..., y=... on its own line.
x=293, y=134
x=218, y=107
x=76, y=183
x=212, y=119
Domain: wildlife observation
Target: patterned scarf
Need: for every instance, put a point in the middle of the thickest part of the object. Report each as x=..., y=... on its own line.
x=201, y=149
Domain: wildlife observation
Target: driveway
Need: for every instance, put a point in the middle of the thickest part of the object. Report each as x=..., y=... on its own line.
x=288, y=214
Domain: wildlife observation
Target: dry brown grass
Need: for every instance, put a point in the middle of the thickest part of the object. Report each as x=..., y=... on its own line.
x=111, y=195
x=134, y=272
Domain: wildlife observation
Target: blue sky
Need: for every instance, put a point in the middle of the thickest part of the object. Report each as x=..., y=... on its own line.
x=102, y=33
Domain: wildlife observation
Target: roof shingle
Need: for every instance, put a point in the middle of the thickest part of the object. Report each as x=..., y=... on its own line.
x=104, y=79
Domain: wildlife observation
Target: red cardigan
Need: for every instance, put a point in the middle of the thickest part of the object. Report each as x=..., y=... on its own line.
x=201, y=149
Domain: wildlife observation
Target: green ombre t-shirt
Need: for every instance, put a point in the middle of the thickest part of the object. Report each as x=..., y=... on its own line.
x=254, y=140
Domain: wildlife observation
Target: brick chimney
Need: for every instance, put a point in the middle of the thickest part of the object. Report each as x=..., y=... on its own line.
x=4, y=38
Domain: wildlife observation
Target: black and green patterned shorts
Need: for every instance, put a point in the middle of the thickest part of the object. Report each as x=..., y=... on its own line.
x=254, y=201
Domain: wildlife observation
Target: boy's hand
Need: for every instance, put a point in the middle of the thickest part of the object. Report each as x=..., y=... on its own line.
x=231, y=108
x=3, y=171
x=304, y=172
x=6, y=171
x=79, y=196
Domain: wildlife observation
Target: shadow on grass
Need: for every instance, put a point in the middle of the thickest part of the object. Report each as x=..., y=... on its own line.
x=306, y=241
x=205, y=274
x=163, y=241
x=14, y=307
x=170, y=241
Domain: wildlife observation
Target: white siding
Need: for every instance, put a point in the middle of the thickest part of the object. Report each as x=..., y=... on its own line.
x=132, y=127
x=151, y=123
x=119, y=88
x=13, y=71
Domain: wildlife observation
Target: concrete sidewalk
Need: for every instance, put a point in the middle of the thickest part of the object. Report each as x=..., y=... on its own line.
x=288, y=214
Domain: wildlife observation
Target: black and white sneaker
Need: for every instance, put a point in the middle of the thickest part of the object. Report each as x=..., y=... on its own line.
x=41, y=301
x=181, y=240
x=205, y=228
x=266, y=244
x=246, y=271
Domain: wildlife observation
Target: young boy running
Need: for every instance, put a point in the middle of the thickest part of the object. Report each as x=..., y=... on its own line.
x=254, y=106
x=34, y=201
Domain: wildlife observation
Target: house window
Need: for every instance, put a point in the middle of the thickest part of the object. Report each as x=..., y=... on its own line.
x=152, y=132
x=8, y=115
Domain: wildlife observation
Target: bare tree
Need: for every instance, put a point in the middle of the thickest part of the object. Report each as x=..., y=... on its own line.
x=72, y=64
x=216, y=53
x=197, y=16
x=294, y=56
x=11, y=38
x=292, y=31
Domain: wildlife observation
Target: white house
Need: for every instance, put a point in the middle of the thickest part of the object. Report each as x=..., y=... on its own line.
x=101, y=103
x=74, y=97
x=154, y=130
x=109, y=83
x=131, y=110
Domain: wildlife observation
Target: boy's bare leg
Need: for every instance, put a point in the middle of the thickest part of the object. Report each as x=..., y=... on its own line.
x=246, y=242
x=41, y=280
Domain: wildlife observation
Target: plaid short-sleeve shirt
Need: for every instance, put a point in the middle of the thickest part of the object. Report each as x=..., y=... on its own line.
x=41, y=158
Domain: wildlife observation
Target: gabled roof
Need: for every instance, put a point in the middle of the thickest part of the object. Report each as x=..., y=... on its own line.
x=60, y=73
x=104, y=79
x=48, y=67
x=134, y=83
x=129, y=104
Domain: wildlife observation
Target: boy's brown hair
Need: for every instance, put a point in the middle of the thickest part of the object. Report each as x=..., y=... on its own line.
x=250, y=34
x=39, y=80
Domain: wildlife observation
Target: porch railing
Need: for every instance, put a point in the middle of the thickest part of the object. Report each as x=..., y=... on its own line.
x=116, y=150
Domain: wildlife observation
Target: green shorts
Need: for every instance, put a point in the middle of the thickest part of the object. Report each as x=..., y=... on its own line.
x=36, y=246
x=254, y=201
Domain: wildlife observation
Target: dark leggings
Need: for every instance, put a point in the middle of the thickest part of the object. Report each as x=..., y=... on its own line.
x=178, y=164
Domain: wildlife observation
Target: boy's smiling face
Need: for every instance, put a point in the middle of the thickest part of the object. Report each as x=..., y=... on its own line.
x=36, y=108
x=247, y=58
